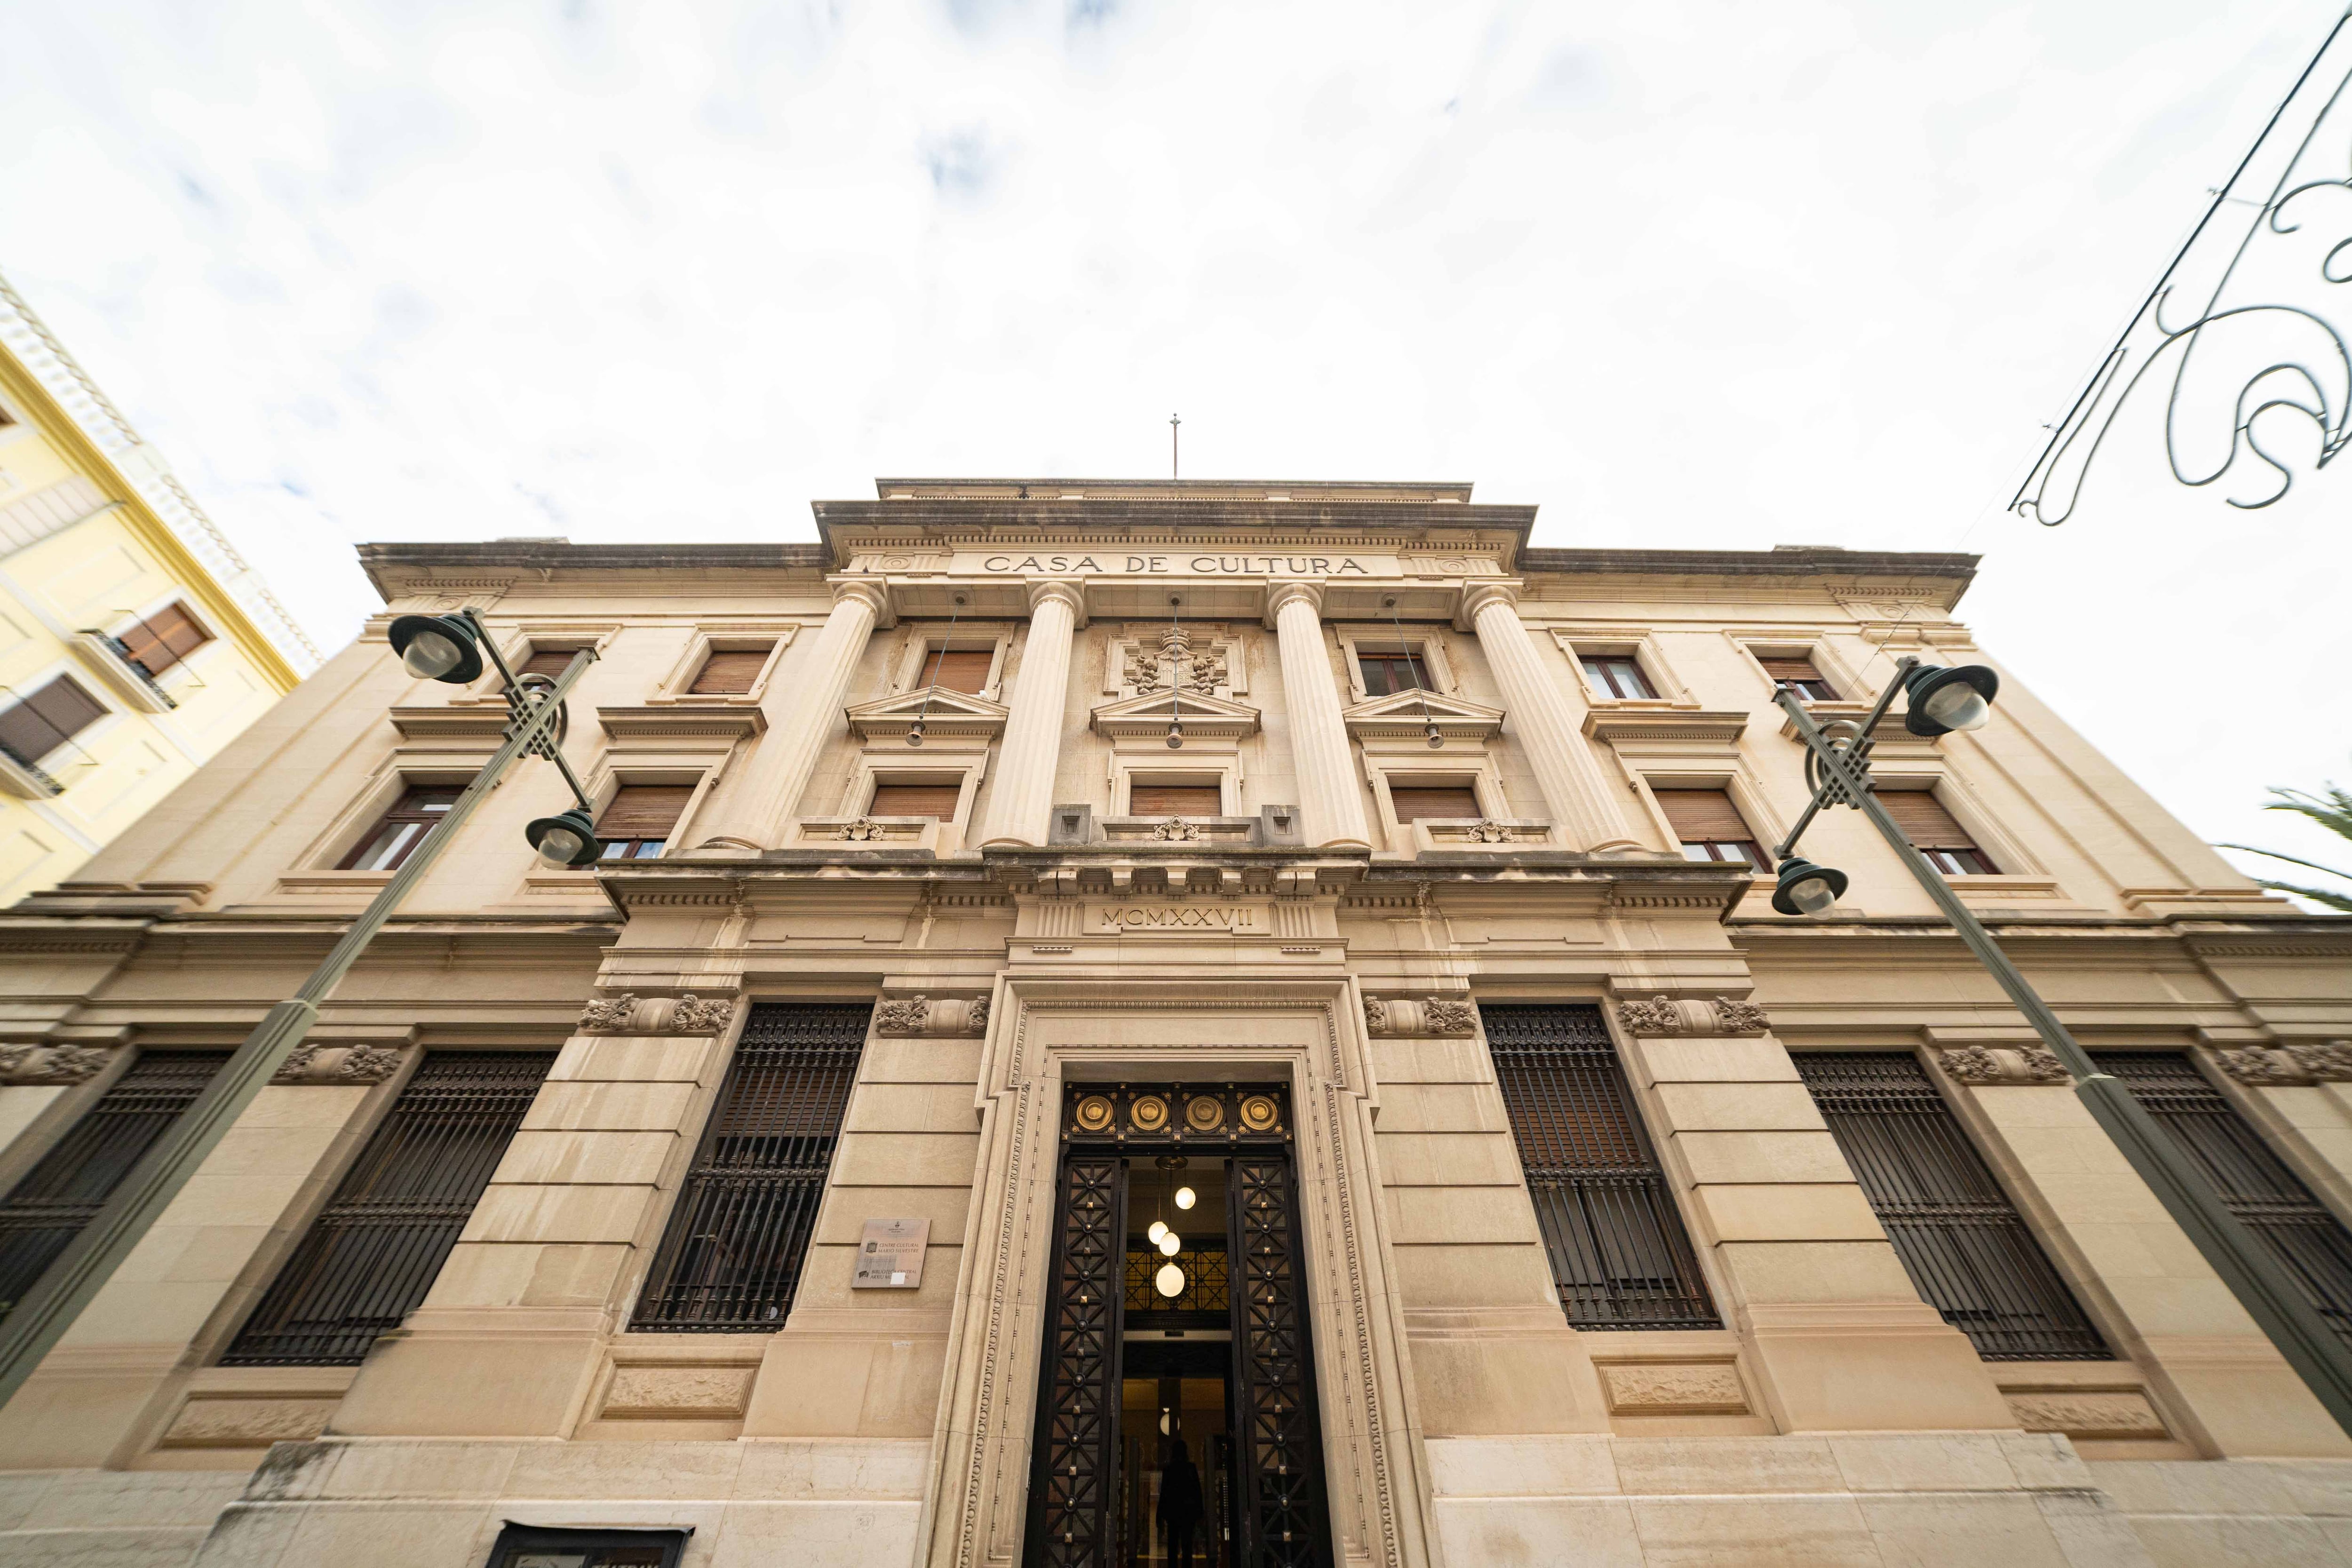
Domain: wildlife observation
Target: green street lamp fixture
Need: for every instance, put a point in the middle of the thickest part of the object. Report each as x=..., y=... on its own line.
x=1837, y=766
x=1941, y=701
x=438, y=647
x=448, y=648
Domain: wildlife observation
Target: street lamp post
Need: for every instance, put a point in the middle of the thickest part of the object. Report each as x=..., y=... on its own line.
x=1838, y=764
x=446, y=649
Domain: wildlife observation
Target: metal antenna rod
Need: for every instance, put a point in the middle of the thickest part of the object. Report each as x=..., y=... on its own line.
x=1174, y=470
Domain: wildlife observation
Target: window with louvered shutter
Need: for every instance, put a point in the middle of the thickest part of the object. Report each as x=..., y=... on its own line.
x=1797, y=673
x=937, y=800
x=1442, y=802
x=550, y=662
x=157, y=642
x=1147, y=798
x=730, y=671
x=64, y=1192
x=1709, y=826
x=1958, y=1234
x=731, y=1258
x=636, y=825
x=45, y=718
x=957, y=669
x=1619, y=1255
x=1933, y=833
x=370, y=1258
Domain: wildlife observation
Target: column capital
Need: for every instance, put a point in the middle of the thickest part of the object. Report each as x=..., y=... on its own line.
x=872, y=590
x=1042, y=589
x=1478, y=596
x=1281, y=594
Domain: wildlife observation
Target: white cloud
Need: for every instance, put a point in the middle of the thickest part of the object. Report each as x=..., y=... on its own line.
x=1685, y=274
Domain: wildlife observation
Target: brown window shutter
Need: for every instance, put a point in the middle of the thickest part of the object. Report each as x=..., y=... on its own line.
x=1414, y=802
x=550, y=662
x=1703, y=816
x=958, y=670
x=46, y=718
x=1146, y=799
x=914, y=800
x=1788, y=669
x=1924, y=820
x=643, y=811
x=730, y=671
x=163, y=638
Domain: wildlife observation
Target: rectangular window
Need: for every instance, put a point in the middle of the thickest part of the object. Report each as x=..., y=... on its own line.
x=533, y=1546
x=1797, y=674
x=1617, y=675
x=730, y=671
x=1619, y=1253
x=62, y=1193
x=1151, y=797
x=956, y=668
x=550, y=662
x=157, y=642
x=1930, y=829
x=395, y=837
x=372, y=1256
x=636, y=825
x=731, y=1255
x=2257, y=1186
x=45, y=718
x=1389, y=670
x=1709, y=827
x=937, y=800
x=1440, y=802
x=1960, y=1239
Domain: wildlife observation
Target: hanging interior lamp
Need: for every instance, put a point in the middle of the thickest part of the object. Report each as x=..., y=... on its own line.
x=937, y=659
x=1176, y=651
x=1420, y=667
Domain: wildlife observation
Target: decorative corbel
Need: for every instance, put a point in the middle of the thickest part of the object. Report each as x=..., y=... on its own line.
x=1419, y=1016
x=924, y=1014
x=1691, y=1015
x=53, y=1064
x=631, y=1015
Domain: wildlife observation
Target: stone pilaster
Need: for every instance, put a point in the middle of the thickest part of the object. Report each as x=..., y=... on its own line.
x=1330, y=805
x=788, y=754
x=1584, y=813
x=1023, y=797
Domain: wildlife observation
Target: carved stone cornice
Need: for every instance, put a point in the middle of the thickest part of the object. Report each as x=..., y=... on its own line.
x=731, y=723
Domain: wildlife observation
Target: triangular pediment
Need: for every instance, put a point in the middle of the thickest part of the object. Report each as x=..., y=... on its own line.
x=942, y=712
x=1150, y=713
x=1404, y=713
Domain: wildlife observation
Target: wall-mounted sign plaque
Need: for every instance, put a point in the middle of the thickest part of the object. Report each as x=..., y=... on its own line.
x=890, y=1254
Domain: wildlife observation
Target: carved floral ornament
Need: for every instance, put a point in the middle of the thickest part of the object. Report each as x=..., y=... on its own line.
x=1998, y=1065
x=1419, y=1016
x=921, y=1015
x=629, y=1015
x=2317, y=1062
x=52, y=1064
x=1691, y=1015
x=328, y=1063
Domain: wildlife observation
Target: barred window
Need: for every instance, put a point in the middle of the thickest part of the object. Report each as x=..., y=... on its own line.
x=1619, y=1252
x=731, y=1258
x=2310, y=1243
x=1961, y=1240
x=374, y=1252
x=64, y=1192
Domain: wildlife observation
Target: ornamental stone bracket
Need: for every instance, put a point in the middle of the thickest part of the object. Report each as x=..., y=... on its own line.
x=903, y=1016
x=1691, y=1015
x=2280, y=1066
x=633, y=1015
x=340, y=1065
x=53, y=1064
x=1986, y=1064
x=1419, y=1016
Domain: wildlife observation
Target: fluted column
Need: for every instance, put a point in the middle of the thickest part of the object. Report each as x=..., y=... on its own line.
x=788, y=754
x=1584, y=813
x=1330, y=806
x=1023, y=799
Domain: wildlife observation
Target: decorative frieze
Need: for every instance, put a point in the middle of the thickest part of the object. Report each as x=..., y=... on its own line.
x=1642, y=1388
x=2087, y=1413
x=2274, y=1067
x=923, y=1015
x=655, y=1392
x=328, y=1063
x=52, y=1064
x=1691, y=1015
x=2002, y=1065
x=1419, y=1016
x=633, y=1015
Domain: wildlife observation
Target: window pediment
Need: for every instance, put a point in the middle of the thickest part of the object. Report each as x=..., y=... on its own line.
x=943, y=712
x=1407, y=715
x=1150, y=713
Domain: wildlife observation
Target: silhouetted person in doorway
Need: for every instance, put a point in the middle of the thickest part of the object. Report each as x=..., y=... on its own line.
x=1180, y=1504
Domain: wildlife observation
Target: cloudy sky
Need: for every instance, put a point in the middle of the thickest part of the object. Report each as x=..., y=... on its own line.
x=1683, y=274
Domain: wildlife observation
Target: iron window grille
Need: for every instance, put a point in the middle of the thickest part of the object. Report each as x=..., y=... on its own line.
x=373, y=1253
x=2256, y=1185
x=731, y=1258
x=1961, y=1240
x=536, y=1546
x=64, y=1192
x=1619, y=1252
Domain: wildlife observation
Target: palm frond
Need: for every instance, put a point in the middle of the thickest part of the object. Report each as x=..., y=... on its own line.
x=2290, y=859
x=2332, y=812
x=2316, y=895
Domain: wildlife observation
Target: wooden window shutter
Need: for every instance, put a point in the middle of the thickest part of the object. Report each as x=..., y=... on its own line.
x=550, y=662
x=163, y=640
x=1924, y=820
x=730, y=671
x=1414, y=802
x=1703, y=816
x=46, y=718
x=643, y=811
x=958, y=670
x=1148, y=799
x=914, y=800
x=1798, y=668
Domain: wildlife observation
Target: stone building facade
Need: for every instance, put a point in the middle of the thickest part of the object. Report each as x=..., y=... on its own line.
x=1023, y=861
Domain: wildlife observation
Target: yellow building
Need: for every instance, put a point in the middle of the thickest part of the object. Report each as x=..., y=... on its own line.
x=134, y=644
